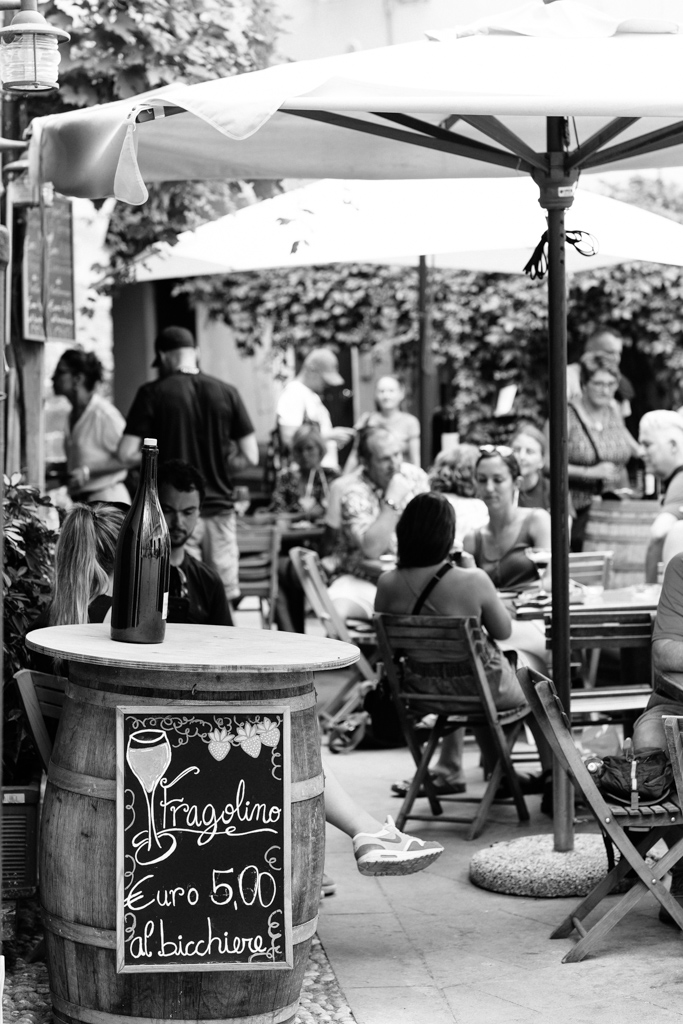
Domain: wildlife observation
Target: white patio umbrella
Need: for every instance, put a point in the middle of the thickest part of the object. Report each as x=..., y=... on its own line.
x=544, y=90
x=393, y=222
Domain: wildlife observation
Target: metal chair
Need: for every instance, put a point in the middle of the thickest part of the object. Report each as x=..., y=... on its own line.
x=650, y=824
x=259, y=546
x=456, y=640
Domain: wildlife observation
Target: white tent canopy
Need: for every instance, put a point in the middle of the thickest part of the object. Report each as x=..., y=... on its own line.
x=470, y=103
x=491, y=226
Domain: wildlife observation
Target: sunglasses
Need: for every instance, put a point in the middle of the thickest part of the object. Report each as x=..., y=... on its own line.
x=496, y=449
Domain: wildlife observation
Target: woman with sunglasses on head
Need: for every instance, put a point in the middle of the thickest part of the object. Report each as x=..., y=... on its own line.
x=598, y=443
x=499, y=548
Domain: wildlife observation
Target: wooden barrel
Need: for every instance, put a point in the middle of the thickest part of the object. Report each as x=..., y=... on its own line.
x=624, y=528
x=78, y=842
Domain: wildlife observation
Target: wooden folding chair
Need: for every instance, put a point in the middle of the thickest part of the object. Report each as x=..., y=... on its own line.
x=591, y=629
x=591, y=569
x=448, y=639
x=616, y=822
x=350, y=698
x=43, y=697
x=259, y=548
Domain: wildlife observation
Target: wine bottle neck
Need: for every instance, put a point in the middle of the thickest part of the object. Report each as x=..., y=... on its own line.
x=148, y=471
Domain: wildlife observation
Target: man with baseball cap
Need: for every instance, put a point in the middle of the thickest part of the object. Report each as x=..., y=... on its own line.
x=301, y=402
x=196, y=418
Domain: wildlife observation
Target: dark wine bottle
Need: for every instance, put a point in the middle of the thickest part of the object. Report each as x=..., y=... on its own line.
x=143, y=562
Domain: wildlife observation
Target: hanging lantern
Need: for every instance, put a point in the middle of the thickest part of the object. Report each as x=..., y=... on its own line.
x=29, y=51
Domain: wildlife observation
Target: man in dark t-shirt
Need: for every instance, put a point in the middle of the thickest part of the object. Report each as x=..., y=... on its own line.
x=196, y=593
x=200, y=420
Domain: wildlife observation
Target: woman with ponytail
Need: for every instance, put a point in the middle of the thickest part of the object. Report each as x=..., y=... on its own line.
x=84, y=564
x=84, y=571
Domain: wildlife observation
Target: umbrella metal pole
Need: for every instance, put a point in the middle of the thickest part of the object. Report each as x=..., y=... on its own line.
x=556, y=196
x=426, y=369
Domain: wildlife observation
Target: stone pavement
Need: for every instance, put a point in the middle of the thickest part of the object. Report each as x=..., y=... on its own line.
x=431, y=948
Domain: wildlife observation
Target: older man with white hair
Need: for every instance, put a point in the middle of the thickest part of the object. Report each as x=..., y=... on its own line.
x=661, y=438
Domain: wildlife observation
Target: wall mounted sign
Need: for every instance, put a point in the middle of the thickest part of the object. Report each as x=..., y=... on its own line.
x=49, y=312
x=203, y=837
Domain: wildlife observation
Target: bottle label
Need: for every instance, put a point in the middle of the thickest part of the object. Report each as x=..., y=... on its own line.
x=164, y=609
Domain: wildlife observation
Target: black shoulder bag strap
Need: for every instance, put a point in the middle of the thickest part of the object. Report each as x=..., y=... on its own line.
x=430, y=586
x=584, y=426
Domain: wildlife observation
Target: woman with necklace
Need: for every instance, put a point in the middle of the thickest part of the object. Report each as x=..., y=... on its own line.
x=598, y=443
x=500, y=547
x=95, y=429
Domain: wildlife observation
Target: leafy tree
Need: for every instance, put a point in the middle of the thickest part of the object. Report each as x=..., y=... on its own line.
x=486, y=330
x=120, y=48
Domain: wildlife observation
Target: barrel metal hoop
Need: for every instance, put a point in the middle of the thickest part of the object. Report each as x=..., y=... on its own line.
x=105, y=789
x=84, y=785
x=90, y=1016
x=304, y=931
x=307, y=788
x=106, y=699
x=87, y=934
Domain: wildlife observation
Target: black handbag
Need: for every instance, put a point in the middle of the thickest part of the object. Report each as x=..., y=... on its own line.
x=634, y=779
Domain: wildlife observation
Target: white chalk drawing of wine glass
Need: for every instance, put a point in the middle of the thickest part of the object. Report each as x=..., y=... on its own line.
x=149, y=755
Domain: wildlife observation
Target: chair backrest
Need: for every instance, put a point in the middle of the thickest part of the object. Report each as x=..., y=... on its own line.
x=442, y=638
x=549, y=713
x=674, y=739
x=591, y=568
x=307, y=567
x=259, y=547
x=43, y=697
x=596, y=627
x=257, y=539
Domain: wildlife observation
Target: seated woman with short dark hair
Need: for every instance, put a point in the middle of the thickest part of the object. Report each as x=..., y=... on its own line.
x=425, y=534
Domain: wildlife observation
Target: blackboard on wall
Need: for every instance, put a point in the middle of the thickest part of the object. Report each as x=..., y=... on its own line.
x=47, y=273
x=204, y=880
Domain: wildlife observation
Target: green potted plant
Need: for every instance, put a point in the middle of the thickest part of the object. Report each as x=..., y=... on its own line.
x=29, y=538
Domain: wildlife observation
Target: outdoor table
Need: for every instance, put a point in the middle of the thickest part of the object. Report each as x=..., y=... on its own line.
x=293, y=529
x=198, y=671
x=637, y=598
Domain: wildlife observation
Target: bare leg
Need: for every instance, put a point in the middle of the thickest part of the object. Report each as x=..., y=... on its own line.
x=343, y=812
x=449, y=762
x=379, y=848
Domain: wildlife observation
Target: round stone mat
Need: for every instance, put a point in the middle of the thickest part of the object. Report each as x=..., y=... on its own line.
x=531, y=867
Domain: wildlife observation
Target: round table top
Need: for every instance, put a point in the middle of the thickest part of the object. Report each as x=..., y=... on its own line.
x=197, y=649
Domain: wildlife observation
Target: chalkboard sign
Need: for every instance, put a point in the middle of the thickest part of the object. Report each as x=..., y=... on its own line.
x=47, y=273
x=203, y=838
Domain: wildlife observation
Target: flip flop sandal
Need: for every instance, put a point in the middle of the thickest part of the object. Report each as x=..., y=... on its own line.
x=441, y=784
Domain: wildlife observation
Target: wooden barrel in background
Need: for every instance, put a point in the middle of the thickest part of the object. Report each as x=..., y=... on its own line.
x=78, y=841
x=624, y=528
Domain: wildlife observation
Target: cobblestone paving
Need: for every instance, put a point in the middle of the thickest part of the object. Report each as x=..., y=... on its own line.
x=26, y=999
